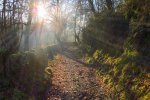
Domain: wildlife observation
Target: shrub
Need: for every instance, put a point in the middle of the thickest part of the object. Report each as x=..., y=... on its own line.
x=105, y=30
x=27, y=72
x=123, y=75
x=51, y=51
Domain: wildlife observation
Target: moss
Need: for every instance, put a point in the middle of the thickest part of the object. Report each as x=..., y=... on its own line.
x=89, y=60
x=123, y=74
x=116, y=72
x=106, y=79
x=130, y=70
x=146, y=97
x=119, y=87
x=125, y=96
x=138, y=90
x=97, y=54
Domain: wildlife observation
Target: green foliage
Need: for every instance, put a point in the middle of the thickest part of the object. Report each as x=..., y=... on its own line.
x=2, y=50
x=124, y=96
x=51, y=51
x=146, y=97
x=19, y=95
x=130, y=70
x=137, y=12
x=123, y=75
x=29, y=74
x=103, y=31
x=97, y=54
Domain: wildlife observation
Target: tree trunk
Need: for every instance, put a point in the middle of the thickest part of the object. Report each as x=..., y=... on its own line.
x=27, y=33
x=91, y=4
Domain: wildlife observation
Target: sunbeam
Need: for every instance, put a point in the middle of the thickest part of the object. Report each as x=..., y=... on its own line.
x=41, y=11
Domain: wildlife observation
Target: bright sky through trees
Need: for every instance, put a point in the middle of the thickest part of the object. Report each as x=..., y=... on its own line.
x=41, y=10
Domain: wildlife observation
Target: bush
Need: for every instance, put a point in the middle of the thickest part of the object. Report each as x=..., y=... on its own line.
x=105, y=30
x=51, y=51
x=27, y=72
x=123, y=75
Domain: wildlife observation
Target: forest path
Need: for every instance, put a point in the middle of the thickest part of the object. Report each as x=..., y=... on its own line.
x=72, y=79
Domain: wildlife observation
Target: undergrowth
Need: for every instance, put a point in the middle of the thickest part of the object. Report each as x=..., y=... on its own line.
x=27, y=76
x=124, y=77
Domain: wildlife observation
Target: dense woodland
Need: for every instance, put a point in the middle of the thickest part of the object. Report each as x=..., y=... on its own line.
x=113, y=36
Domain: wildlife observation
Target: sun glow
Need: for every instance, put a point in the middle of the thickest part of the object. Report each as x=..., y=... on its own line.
x=41, y=11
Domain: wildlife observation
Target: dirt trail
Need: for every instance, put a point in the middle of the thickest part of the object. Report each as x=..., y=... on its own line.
x=72, y=80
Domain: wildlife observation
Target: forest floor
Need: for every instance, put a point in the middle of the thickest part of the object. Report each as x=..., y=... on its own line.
x=72, y=79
